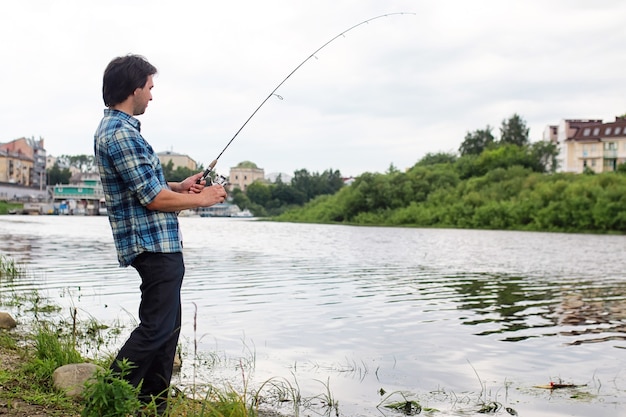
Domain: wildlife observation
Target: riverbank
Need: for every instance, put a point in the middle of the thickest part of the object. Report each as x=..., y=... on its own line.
x=39, y=341
x=21, y=394
x=19, y=397
x=9, y=208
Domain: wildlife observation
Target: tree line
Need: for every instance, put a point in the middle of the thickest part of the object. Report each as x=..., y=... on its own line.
x=503, y=182
x=261, y=198
x=271, y=199
x=490, y=184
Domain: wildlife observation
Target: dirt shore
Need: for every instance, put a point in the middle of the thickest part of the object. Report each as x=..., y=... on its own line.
x=10, y=360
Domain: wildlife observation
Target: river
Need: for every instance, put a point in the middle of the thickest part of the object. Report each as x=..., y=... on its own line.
x=456, y=320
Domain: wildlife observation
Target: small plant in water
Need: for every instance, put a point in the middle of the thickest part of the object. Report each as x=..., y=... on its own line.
x=409, y=408
x=329, y=402
x=406, y=406
x=490, y=407
x=8, y=268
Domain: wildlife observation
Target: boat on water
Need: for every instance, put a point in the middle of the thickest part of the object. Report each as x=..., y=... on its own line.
x=224, y=210
x=243, y=213
x=102, y=207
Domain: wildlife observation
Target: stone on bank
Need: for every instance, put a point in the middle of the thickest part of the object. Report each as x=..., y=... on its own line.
x=6, y=321
x=71, y=378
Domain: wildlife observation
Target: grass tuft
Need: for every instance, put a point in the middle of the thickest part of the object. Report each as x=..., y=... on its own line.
x=9, y=268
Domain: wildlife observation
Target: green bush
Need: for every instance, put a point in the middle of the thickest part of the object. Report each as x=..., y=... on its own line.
x=110, y=395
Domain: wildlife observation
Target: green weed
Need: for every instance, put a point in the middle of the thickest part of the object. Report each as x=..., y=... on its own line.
x=110, y=395
x=9, y=268
x=52, y=350
x=7, y=341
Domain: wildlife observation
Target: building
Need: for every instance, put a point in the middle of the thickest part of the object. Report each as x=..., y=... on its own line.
x=83, y=195
x=272, y=177
x=16, y=168
x=244, y=174
x=29, y=157
x=50, y=161
x=177, y=159
x=589, y=144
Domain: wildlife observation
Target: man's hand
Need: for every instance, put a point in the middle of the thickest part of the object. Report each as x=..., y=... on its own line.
x=189, y=185
x=215, y=193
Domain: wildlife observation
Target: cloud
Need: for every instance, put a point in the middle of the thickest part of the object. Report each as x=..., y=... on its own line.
x=389, y=91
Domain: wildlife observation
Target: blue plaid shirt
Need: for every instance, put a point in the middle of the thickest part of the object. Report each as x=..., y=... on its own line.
x=132, y=177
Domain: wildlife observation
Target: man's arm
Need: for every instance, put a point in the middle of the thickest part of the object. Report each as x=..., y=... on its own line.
x=187, y=194
x=169, y=200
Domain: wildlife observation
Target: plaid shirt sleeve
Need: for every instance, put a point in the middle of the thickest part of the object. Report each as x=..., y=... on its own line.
x=132, y=176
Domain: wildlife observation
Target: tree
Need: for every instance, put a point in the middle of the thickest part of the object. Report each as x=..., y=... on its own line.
x=259, y=193
x=239, y=198
x=333, y=181
x=84, y=163
x=477, y=141
x=181, y=173
x=303, y=181
x=285, y=195
x=392, y=169
x=178, y=174
x=56, y=175
x=312, y=185
x=168, y=170
x=514, y=131
x=503, y=156
x=437, y=158
x=544, y=154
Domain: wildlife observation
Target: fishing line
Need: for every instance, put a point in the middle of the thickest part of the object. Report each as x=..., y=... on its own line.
x=207, y=171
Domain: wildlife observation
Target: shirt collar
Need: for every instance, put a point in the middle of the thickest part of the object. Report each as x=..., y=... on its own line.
x=125, y=116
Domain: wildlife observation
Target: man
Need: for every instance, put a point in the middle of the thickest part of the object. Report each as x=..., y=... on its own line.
x=142, y=208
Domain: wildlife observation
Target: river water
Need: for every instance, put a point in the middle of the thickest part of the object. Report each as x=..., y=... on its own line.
x=457, y=320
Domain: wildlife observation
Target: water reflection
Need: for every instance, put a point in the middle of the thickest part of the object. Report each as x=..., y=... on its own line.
x=598, y=314
x=20, y=247
x=512, y=305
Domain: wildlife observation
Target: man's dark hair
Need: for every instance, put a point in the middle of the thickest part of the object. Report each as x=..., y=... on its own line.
x=123, y=76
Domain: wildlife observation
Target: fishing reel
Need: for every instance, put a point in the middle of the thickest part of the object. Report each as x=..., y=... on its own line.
x=216, y=179
x=219, y=180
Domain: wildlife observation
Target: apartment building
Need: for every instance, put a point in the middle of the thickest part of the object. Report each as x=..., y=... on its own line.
x=23, y=161
x=15, y=168
x=589, y=144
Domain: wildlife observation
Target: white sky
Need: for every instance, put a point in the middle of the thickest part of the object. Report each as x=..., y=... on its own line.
x=387, y=93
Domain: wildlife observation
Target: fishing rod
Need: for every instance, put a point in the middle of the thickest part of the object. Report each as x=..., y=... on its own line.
x=207, y=172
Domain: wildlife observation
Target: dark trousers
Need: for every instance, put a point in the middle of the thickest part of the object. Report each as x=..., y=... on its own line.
x=151, y=347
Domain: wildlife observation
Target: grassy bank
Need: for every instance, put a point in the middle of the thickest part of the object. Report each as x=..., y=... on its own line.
x=44, y=340
x=23, y=392
x=26, y=389
x=6, y=207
